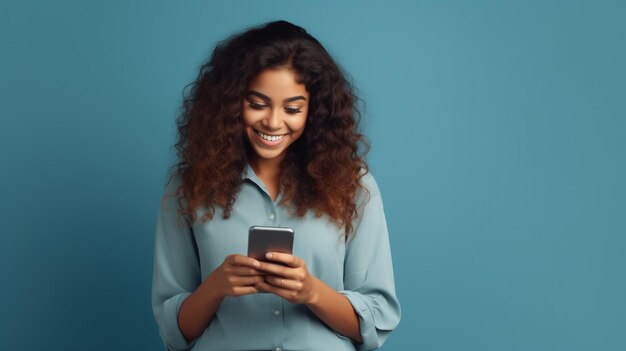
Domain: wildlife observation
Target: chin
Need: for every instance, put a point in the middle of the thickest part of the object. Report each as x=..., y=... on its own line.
x=268, y=154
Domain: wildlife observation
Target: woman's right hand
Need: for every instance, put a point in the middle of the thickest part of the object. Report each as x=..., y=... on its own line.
x=236, y=276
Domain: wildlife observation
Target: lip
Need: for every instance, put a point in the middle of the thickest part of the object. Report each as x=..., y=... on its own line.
x=268, y=143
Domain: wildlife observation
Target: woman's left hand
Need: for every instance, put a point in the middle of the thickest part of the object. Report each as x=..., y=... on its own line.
x=290, y=280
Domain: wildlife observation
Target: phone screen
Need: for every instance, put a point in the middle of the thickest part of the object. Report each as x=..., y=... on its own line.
x=262, y=239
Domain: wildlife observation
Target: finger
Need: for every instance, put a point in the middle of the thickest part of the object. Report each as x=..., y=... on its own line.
x=245, y=290
x=244, y=271
x=283, y=283
x=290, y=260
x=276, y=269
x=244, y=281
x=240, y=260
x=285, y=294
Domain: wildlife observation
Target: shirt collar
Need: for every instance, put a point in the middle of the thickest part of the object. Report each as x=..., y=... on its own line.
x=248, y=173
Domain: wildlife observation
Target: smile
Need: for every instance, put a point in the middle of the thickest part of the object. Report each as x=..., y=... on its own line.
x=268, y=137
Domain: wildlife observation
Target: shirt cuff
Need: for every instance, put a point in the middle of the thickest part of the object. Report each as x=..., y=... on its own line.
x=367, y=328
x=170, y=332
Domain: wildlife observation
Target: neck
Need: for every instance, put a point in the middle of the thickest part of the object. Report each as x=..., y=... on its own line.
x=264, y=168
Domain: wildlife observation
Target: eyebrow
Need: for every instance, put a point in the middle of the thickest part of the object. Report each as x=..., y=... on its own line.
x=267, y=98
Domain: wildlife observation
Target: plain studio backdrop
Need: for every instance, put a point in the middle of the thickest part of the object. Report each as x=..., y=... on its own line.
x=498, y=139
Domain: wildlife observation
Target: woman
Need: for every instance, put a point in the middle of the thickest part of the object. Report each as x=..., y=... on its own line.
x=268, y=137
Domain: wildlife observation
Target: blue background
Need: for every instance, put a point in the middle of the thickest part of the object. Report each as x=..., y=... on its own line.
x=498, y=140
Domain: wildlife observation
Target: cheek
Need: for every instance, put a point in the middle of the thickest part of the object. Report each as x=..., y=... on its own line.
x=297, y=124
x=300, y=125
x=248, y=118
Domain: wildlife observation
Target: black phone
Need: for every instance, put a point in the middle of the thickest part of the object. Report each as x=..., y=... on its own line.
x=263, y=239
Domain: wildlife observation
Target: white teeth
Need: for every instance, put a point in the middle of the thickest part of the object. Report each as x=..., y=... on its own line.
x=270, y=137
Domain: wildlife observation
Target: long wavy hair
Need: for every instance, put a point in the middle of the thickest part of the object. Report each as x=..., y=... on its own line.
x=322, y=169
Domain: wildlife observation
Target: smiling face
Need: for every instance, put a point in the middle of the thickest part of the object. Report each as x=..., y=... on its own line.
x=275, y=110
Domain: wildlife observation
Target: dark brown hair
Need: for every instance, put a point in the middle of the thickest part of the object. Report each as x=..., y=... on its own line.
x=322, y=169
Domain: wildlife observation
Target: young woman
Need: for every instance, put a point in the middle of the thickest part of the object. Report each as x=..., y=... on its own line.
x=268, y=137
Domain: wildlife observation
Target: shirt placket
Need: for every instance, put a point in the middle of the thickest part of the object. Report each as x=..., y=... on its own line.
x=276, y=303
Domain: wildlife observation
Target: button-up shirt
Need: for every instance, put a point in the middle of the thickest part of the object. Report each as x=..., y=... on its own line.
x=360, y=269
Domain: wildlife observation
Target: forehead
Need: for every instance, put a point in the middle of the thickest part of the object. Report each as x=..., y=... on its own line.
x=278, y=83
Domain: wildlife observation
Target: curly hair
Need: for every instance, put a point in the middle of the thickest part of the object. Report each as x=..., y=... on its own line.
x=322, y=169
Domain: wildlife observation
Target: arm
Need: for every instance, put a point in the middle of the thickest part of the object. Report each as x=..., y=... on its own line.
x=197, y=311
x=235, y=277
x=336, y=311
x=295, y=284
x=182, y=304
x=368, y=278
x=369, y=286
x=176, y=271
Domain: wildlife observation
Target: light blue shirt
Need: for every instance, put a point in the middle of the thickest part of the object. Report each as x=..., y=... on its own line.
x=360, y=269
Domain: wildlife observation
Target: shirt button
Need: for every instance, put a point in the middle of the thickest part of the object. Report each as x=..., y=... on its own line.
x=276, y=312
x=271, y=216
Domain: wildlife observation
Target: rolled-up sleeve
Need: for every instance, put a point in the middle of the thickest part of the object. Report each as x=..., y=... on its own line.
x=368, y=276
x=176, y=271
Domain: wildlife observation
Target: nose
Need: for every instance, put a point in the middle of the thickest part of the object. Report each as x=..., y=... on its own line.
x=273, y=120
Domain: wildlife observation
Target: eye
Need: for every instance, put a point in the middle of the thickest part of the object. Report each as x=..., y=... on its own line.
x=256, y=106
x=292, y=111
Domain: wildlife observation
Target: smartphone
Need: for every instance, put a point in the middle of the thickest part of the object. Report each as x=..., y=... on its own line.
x=263, y=239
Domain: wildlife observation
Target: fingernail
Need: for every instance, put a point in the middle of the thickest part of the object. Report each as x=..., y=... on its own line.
x=268, y=255
x=256, y=263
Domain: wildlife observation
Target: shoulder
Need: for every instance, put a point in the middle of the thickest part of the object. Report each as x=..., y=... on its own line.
x=174, y=181
x=171, y=196
x=369, y=182
x=369, y=188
